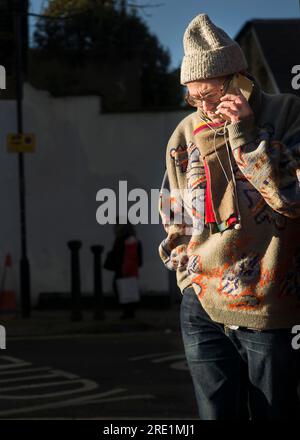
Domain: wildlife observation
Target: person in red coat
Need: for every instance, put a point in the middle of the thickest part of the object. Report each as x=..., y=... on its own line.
x=124, y=259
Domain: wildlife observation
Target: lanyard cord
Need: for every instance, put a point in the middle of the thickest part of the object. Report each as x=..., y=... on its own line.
x=223, y=133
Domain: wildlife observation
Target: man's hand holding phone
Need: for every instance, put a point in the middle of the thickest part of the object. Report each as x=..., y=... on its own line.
x=234, y=106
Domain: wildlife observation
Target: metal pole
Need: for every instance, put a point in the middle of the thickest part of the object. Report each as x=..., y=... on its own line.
x=74, y=247
x=98, y=291
x=20, y=10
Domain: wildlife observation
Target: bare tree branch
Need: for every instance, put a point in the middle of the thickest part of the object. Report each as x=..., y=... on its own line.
x=91, y=10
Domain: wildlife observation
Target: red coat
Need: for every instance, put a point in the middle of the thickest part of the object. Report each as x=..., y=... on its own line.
x=130, y=264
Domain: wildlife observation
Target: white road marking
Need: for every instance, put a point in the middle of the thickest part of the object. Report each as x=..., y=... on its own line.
x=52, y=373
x=24, y=370
x=168, y=358
x=54, y=405
x=147, y=356
x=66, y=374
x=181, y=365
x=40, y=385
x=113, y=335
x=117, y=399
x=87, y=385
x=13, y=362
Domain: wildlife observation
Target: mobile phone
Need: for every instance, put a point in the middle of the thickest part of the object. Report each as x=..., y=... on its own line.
x=243, y=83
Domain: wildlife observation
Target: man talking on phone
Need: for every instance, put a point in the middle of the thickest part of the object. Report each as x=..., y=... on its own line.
x=234, y=166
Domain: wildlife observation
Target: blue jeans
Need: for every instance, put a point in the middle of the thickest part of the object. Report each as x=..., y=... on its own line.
x=239, y=374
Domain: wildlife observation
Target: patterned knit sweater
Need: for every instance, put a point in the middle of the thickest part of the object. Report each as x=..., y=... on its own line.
x=247, y=277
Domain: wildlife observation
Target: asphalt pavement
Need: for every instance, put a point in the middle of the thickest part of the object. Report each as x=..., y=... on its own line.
x=53, y=368
x=43, y=323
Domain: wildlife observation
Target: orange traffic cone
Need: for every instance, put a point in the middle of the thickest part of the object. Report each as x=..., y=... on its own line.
x=8, y=303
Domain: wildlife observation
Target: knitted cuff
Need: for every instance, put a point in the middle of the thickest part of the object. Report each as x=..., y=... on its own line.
x=242, y=132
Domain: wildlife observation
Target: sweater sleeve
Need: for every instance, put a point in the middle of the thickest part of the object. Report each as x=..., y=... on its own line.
x=173, y=249
x=271, y=166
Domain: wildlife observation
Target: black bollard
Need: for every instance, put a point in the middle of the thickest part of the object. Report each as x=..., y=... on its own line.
x=98, y=291
x=74, y=247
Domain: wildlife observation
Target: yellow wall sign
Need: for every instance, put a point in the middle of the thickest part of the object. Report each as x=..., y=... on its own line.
x=21, y=143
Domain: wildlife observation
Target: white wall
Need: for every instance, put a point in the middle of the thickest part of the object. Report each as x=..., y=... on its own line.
x=79, y=151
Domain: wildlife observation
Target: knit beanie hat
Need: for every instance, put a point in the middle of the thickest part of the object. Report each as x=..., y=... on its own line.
x=209, y=52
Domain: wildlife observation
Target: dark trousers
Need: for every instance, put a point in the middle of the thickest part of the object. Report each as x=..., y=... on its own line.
x=239, y=374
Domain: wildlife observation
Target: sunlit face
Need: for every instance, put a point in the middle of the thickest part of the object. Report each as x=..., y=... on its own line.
x=209, y=92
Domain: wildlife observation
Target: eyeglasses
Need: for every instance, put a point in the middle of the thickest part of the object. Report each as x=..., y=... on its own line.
x=198, y=102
